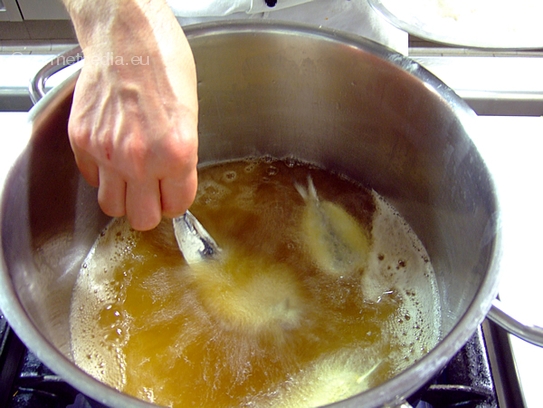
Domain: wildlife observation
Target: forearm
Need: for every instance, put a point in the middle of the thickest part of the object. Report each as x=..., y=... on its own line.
x=113, y=33
x=114, y=24
x=133, y=124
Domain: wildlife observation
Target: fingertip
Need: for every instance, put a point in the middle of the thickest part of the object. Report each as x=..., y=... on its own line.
x=143, y=223
x=109, y=207
x=176, y=209
x=91, y=178
x=88, y=169
x=112, y=194
x=143, y=209
x=177, y=196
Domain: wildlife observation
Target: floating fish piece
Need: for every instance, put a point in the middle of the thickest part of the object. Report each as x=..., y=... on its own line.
x=338, y=243
x=249, y=294
x=194, y=241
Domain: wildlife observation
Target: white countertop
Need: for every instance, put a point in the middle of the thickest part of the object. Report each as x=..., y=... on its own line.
x=512, y=148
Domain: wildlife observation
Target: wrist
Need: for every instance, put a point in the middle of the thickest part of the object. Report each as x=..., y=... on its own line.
x=99, y=22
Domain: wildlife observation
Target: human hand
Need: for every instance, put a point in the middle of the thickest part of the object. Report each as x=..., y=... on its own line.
x=133, y=124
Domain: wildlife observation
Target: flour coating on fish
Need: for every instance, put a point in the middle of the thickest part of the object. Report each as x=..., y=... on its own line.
x=338, y=243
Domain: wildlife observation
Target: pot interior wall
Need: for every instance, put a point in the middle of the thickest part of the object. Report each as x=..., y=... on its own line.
x=50, y=220
x=284, y=95
x=351, y=111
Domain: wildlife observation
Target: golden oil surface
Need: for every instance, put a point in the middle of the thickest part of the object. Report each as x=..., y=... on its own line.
x=266, y=324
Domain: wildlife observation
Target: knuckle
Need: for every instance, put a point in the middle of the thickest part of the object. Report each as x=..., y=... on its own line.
x=110, y=203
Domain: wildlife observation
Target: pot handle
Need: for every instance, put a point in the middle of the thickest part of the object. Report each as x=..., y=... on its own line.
x=505, y=318
x=66, y=59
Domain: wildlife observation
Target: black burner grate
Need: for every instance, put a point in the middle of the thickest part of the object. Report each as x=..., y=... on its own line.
x=466, y=381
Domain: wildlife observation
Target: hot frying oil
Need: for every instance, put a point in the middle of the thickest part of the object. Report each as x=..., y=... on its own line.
x=315, y=296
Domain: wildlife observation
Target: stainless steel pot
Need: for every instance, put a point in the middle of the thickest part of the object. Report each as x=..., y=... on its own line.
x=286, y=91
